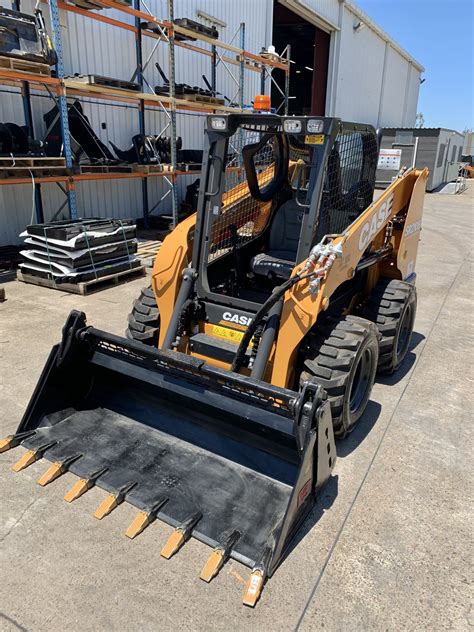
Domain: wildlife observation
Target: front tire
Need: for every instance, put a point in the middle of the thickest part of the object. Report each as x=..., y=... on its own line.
x=392, y=307
x=342, y=355
x=144, y=320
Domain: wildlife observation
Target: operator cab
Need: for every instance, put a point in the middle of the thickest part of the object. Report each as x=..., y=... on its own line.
x=272, y=188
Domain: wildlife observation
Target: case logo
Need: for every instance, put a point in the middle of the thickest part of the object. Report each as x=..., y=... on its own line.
x=237, y=319
x=372, y=226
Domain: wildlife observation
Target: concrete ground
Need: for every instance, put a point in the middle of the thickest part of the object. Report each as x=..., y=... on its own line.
x=388, y=547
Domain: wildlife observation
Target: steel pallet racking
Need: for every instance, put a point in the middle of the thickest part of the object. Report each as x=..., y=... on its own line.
x=60, y=88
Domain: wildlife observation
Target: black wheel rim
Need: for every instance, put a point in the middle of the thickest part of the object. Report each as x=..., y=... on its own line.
x=361, y=381
x=404, y=333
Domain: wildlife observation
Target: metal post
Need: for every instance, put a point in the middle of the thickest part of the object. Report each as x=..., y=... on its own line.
x=172, y=79
x=262, y=80
x=242, y=65
x=62, y=102
x=26, y=100
x=287, y=77
x=213, y=68
x=141, y=108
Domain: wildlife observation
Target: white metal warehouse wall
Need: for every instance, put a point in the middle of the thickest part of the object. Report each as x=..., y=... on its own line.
x=371, y=79
x=93, y=47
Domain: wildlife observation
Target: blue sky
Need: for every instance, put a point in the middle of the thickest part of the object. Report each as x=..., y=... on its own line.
x=440, y=35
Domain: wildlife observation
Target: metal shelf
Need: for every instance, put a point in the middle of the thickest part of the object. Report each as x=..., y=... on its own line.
x=60, y=88
x=85, y=177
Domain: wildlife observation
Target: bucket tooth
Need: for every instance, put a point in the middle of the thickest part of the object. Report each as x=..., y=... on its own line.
x=13, y=440
x=218, y=557
x=83, y=484
x=57, y=469
x=113, y=500
x=31, y=456
x=180, y=535
x=144, y=518
x=253, y=588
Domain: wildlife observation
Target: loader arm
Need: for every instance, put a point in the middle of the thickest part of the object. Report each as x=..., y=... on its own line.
x=403, y=199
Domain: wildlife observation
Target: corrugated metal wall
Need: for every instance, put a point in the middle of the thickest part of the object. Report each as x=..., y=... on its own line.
x=364, y=91
x=359, y=89
x=93, y=47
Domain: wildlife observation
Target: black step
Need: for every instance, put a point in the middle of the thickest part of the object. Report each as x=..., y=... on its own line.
x=214, y=347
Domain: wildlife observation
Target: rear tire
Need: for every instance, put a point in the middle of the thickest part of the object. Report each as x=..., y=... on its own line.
x=342, y=356
x=392, y=307
x=144, y=320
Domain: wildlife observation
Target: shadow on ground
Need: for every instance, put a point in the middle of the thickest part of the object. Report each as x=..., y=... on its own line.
x=409, y=361
x=325, y=499
x=361, y=431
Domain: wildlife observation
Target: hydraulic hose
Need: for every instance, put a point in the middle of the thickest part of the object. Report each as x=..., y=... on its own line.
x=275, y=296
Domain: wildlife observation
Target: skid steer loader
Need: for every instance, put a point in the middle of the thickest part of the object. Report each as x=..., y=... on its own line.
x=269, y=313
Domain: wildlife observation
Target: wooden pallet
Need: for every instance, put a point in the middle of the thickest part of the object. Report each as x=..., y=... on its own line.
x=148, y=248
x=25, y=65
x=163, y=168
x=201, y=98
x=84, y=287
x=27, y=162
x=82, y=169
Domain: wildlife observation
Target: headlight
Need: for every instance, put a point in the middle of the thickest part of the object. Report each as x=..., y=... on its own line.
x=218, y=123
x=292, y=126
x=314, y=126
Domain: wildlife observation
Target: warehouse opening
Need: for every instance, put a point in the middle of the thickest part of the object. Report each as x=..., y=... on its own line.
x=310, y=57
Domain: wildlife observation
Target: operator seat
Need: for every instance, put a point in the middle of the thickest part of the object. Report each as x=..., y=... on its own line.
x=280, y=259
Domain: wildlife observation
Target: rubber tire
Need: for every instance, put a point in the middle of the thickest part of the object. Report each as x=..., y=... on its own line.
x=391, y=303
x=333, y=357
x=144, y=320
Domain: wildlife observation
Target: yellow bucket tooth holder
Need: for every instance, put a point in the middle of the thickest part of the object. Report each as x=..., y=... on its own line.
x=13, y=440
x=218, y=557
x=31, y=456
x=113, y=500
x=254, y=586
x=144, y=518
x=81, y=486
x=57, y=469
x=180, y=535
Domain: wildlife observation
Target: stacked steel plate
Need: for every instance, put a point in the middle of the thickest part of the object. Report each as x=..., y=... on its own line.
x=79, y=251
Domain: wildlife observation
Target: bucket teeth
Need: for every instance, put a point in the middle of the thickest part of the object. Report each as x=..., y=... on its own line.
x=253, y=588
x=57, y=469
x=180, y=535
x=213, y=565
x=144, y=518
x=31, y=456
x=218, y=557
x=112, y=501
x=83, y=484
x=13, y=440
x=175, y=542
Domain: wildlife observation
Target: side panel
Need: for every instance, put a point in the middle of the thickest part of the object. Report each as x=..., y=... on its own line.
x=406, y=257
x=174, y=254
x=301, y=309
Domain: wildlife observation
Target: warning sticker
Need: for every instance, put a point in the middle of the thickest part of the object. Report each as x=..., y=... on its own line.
x=314, y=139
x=228, y=334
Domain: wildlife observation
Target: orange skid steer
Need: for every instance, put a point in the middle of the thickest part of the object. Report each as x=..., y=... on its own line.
x=269, y=314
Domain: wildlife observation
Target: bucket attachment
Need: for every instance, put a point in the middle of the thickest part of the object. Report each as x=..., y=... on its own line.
x=233, y=461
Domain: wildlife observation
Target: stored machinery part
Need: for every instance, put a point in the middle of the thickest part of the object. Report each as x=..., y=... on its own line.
x=24, y=36
x=15, y=141
x=268, y=312
x=85, y=143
